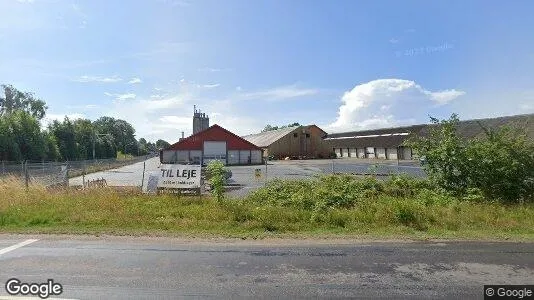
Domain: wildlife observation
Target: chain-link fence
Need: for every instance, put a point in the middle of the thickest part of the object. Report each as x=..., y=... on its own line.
x=136, y=172
x=59, y=173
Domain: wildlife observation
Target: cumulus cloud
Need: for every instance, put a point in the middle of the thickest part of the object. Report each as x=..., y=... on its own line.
x=135, y=80
x=87, y=78
x=388, y=102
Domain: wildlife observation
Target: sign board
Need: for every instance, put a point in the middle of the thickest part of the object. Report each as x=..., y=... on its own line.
x=257, y=173
x=179, y=176
x=152, y=185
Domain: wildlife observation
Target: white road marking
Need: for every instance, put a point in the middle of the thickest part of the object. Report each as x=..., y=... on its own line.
x=16, y=246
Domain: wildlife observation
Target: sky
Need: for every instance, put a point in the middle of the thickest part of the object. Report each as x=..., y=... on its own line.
x=342, y=64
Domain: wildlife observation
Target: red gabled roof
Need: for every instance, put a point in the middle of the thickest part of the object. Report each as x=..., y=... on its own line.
x=213, y=133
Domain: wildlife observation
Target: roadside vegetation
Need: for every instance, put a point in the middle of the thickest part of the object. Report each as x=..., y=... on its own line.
x=327, y=206
x=477, y=189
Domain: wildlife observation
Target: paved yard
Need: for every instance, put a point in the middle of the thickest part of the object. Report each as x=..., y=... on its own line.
x=245, y=176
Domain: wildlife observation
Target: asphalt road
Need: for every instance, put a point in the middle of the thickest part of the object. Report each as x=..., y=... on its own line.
x=164, y=268
x=244, y=176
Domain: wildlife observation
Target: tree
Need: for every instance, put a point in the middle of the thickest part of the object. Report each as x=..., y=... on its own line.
x=26, y=138
x=65, y=135
x=269, y=127
x=14, y=100
x=162, y=144
x=122, y=132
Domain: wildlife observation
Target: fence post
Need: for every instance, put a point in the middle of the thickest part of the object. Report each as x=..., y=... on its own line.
x=332, y=166
x=266, y=159
x=143, y=179
x=26, y=175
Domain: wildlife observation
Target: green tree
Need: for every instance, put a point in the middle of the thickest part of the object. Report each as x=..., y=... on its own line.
x=14, y=100
x=26, y=136
x=65, y=135
x=162, y=144
x=269, y=127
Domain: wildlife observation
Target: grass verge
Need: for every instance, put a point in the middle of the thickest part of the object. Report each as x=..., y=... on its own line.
x=128, y=212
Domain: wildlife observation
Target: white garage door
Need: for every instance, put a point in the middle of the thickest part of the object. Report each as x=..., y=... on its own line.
x=392, y=153
x=256, y=157
x=338, y=152
x=244, y=157
x=353, y=152
x=381, y=152
x=370, y=152
x=214, y=151
x=361, y=153
x=194, y=156
x=233, y=157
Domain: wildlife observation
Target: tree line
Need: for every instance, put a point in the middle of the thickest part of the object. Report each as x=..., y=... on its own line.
x=269, y=127
x=23, y=137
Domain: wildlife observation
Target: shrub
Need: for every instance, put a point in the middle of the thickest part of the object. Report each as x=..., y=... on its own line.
x=217, y=174
x=500, y=166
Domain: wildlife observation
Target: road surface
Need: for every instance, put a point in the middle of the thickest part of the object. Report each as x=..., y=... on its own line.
x=166, y=268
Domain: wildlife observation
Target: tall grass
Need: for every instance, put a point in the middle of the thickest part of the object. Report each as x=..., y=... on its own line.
x=329, y=205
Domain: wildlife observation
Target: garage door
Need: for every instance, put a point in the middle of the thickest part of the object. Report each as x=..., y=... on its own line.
x=233, y=157
x=214, y=150
x=381, y=153
x=370, y=151
x=244, y=157
x=407, y=153
x=361, y=153
x=353, y=152
x=392, y=153
x=169, y=156
x=338, y=152
x=256, y=157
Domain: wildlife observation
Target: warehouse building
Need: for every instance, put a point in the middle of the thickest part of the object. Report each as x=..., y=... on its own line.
x=380, y=143
x=213, y=143
x=388, y=143
x=294, y=142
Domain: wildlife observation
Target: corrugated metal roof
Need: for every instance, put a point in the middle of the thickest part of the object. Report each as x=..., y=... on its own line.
x=265, y=139
x=394, y=137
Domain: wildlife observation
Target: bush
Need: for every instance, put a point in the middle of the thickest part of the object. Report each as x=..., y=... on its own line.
x=217, y=172
x=499, y=166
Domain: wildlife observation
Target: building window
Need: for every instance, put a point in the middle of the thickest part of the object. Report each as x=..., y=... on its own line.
x=307, y=135
x=295, y=134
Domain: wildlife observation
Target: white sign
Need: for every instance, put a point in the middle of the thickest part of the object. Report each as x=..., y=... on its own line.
x=179, y=176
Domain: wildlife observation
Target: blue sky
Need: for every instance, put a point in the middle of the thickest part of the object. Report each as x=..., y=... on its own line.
x=344, y=65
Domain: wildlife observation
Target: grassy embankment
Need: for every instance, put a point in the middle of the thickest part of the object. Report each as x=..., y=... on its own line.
x=339, y=206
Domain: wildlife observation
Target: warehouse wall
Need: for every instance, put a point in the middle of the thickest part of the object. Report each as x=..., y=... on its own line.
x=303, y=141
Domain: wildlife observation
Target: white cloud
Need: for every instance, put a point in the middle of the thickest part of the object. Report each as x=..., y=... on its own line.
x=135, y=80
x=211, y=86
x=387, y=102
x=281, y=93
x=393, y=40
x=121, y=96
x=213, y=70
x=49, y=118
x=86, y=78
